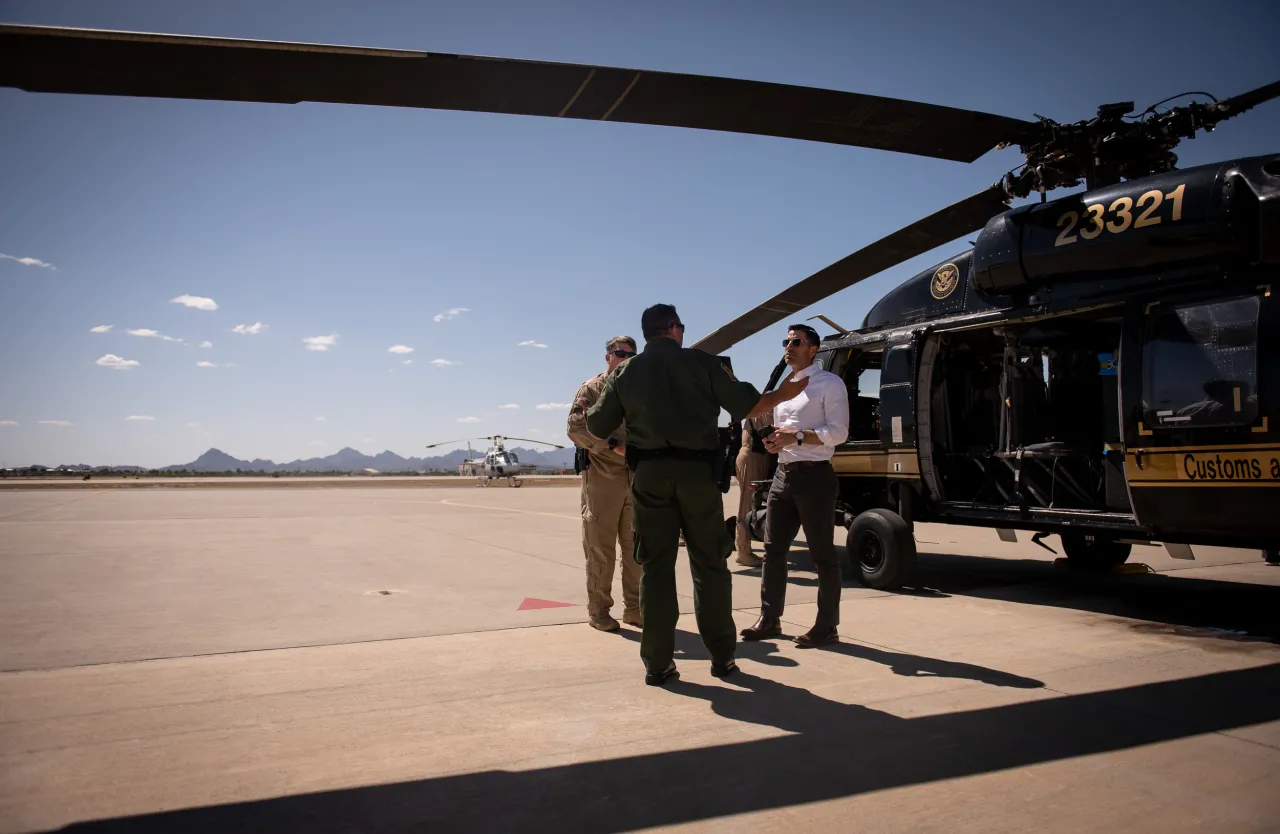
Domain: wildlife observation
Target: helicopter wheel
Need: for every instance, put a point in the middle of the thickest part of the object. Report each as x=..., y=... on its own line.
x=881, y=549
x=515, y=482
x=1087, y=552
x=1272, y=556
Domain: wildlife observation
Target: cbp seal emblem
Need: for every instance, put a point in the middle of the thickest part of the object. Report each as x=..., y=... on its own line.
x=944, y=281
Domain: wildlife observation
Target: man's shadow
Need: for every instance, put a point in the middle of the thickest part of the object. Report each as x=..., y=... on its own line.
x=689, y=647
x=916, y=666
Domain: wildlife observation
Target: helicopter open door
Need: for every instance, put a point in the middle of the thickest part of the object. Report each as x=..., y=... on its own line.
x=1200, y=388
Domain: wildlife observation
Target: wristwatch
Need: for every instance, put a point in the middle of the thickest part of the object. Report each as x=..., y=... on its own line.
x=800, y=438
x=613, y=443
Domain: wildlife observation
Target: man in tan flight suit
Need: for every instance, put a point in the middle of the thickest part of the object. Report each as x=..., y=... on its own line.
x=755, y=463
x=606, y=502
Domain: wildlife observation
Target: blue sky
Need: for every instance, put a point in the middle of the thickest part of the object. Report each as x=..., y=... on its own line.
x=365, y=224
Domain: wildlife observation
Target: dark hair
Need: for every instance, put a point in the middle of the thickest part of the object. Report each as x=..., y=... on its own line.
x=657, y=320
x=617, y=341
x=809, y=332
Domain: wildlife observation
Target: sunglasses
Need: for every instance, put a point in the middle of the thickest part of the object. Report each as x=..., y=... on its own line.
x=793, y=342
x=622, y=354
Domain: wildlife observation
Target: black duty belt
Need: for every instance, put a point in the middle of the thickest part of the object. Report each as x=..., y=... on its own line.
x=636, y=456
x=796, y=464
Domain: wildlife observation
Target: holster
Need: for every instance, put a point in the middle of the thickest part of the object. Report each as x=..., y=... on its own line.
x=581, y=460
x=727, y=455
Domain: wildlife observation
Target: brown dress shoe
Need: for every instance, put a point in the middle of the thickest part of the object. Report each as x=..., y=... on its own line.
x=818, y=636
x=763, y=628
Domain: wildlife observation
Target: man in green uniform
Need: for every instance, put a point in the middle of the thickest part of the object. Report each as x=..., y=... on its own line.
x=670, y=398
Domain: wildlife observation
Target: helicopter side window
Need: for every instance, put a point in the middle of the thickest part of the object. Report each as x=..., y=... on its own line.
x=1200, y=365
x=862, y=378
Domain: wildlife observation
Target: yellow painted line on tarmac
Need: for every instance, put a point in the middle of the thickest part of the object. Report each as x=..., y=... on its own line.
x=508, y=509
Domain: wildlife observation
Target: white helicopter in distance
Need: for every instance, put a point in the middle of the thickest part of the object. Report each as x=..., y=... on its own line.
x=497, y=462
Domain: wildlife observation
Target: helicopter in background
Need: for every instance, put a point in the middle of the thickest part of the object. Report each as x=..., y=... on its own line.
x=498, y=461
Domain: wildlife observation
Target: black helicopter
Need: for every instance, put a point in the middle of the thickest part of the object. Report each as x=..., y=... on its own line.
x=1104, y=366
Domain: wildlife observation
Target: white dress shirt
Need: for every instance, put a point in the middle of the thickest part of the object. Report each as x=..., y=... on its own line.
x=821, y=410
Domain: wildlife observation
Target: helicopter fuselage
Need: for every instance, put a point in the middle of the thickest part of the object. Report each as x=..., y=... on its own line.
x=1103, y=365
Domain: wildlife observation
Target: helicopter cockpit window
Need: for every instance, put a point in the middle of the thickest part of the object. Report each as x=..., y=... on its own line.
x=1200, y=365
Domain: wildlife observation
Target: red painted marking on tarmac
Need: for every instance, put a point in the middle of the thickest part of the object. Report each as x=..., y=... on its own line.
x=531, y=604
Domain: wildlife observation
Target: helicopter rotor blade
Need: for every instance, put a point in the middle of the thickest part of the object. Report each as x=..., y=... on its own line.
x=954, y=221
x=527, y=440
x=1236, y=105
x=460, y=440
x=100, y=62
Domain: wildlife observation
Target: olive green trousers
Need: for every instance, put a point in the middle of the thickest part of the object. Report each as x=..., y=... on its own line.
x=671, y=497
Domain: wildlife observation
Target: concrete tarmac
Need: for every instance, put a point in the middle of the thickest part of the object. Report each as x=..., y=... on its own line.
x=383, y=659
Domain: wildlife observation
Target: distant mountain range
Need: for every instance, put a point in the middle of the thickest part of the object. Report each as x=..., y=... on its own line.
x=344, y=460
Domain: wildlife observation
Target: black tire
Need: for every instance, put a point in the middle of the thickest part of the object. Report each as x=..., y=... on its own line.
x=1271, y=556
x=1094, y=553
x=881, y=549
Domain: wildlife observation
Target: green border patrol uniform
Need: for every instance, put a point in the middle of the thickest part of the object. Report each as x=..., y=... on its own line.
x=670, y=398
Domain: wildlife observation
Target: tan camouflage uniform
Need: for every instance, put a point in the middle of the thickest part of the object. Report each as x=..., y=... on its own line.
x=606, y=513
x=751, y=466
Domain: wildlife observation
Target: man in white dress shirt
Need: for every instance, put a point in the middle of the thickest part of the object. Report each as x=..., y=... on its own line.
x=807, y=430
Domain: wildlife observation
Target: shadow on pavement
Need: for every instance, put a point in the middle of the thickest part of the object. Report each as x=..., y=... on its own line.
x=1230, y=609
x=836, y=750
x=1162, y=598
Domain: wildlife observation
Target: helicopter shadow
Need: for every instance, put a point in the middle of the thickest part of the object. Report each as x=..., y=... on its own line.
x=1160, y=601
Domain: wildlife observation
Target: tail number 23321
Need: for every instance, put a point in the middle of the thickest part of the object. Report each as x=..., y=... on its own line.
x=1122, y=215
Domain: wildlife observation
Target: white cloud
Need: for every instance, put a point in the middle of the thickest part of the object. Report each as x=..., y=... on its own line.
x=193, y=425
x=468, y=419
x=152, y=334
x=102, y=328
x=510, y=407
x=203, y=364
x=29, y=262
x=399, y=349
x=195, y=301
x=553, y=406
x=531, y=343
x=56, y=423
x=451, y=313
x=320, y=342
x=117, y=362
x=408, y=362
x=206, y=344
x=321, y=419
x=249, y=329
x=141, y=418
x=440, y=363
x=8, y=422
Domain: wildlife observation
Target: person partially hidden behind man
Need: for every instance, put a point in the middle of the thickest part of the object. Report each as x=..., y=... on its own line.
x=670, y=397
x=807, y=428
x=606, y=501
